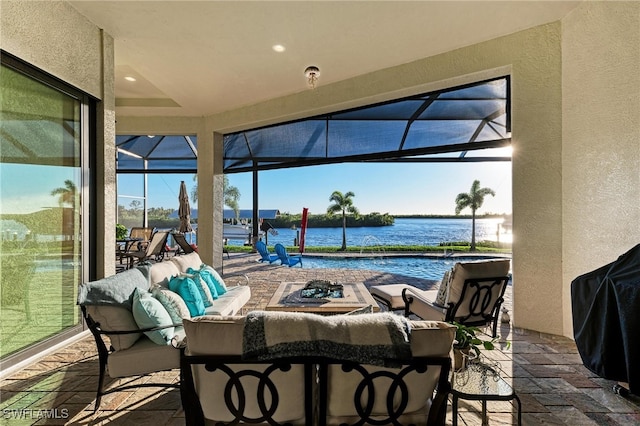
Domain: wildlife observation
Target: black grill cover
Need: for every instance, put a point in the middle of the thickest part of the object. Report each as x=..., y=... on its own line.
x=606, y=319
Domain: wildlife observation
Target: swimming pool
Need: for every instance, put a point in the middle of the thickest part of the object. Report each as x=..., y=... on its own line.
x=429, y=268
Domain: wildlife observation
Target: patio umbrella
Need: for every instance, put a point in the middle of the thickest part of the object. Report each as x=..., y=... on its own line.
x=184, y=209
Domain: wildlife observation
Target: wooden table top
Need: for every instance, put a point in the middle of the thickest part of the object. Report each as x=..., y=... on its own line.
x=356, y=296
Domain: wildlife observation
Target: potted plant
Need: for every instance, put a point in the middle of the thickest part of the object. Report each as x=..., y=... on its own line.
x=467, y=344
x=121, y=231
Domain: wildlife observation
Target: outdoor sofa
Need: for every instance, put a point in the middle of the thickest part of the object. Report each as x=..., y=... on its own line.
x=135, y=317
x=306, y=369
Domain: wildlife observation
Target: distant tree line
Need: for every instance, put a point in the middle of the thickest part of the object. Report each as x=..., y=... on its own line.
x=287, y=220
x=157, y=217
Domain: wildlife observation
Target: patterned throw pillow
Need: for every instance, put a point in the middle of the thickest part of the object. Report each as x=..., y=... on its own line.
x=443, y=290
x=208, y=273
x=172, y=302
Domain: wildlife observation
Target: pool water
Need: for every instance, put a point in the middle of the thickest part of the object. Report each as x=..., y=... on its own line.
x=412, y=266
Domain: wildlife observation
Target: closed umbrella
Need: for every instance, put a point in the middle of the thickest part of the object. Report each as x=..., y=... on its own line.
x=184, y=209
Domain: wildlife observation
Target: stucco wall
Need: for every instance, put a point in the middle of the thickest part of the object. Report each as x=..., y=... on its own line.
x=55, y=37
x=52, y=36
x=601, y=137
x=533, y=58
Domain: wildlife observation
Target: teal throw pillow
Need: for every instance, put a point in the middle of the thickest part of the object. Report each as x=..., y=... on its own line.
x=190, y=293
x=206, y=283
x=212, y=277
x=149, y=312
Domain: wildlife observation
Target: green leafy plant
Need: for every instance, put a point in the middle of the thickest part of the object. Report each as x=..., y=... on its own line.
x=466, y=339
x=121, y=231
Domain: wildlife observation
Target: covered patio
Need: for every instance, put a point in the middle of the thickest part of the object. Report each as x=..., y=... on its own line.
x=545, y=371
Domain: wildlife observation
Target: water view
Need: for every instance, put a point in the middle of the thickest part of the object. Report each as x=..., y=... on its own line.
x=404, y=232
x=412, y=266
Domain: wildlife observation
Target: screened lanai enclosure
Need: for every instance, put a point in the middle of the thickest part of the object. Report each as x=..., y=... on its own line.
x=469, y=123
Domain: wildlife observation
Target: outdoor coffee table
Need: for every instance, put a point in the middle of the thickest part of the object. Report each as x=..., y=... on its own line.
x=480, y=382
x=287, y=298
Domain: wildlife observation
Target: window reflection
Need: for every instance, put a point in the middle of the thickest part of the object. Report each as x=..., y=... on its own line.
x=40, y=205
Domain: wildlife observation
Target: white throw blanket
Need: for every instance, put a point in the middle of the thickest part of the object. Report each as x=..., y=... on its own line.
x=375, y=339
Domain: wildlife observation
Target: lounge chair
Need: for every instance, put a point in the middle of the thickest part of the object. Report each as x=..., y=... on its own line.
x=286, y=258
x=183, y=246
x=144, y=234
x=471, y=293
x=265, y=256
x=155, y=249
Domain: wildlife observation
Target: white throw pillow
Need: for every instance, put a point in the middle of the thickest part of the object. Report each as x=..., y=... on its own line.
x=442, y=298
x=172, y=302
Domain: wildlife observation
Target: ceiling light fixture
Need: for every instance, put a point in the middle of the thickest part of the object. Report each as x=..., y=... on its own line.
x=129, y=78
x=312, y=73
x=278, y=48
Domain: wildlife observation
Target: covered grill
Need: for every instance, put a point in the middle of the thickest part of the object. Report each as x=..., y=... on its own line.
x=606, y=319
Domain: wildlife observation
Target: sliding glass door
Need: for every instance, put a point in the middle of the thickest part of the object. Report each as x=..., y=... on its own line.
x=43, y=192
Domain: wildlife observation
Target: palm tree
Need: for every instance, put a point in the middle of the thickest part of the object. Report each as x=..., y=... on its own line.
x=231, y=194
x=66, y=195
x=473, y=199
x=344, y=204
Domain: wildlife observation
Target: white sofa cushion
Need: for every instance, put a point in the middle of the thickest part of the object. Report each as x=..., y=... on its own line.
x=115, y=318
x=184, y=262
x=142, y=358
x=161, y=273
x=230, y=302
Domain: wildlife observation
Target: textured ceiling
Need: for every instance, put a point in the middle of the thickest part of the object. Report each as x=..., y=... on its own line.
x=204, y=57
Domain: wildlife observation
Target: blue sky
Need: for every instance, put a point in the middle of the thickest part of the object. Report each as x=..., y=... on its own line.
x=405, y=188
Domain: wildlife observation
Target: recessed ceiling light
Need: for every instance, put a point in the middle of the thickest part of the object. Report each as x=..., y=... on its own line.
x=278, y=48
x=129, y=78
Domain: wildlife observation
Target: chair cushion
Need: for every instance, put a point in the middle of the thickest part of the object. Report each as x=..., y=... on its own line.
x=428, y=338
x=423, y=305
x=480, y=269
x=149, y=312
x=227, y=329
x=392, y=293
x=210, y=384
